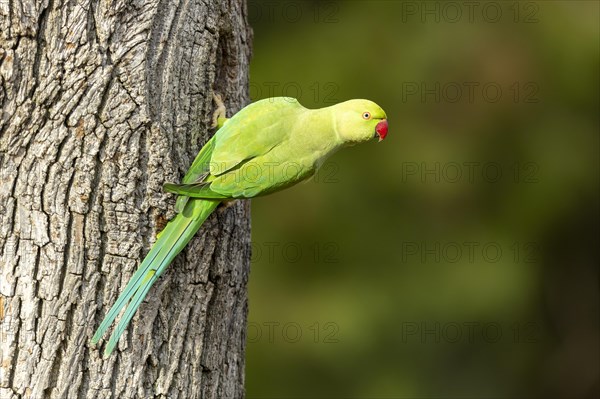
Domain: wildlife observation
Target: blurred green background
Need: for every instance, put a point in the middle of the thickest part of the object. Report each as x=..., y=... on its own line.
x=458, y=258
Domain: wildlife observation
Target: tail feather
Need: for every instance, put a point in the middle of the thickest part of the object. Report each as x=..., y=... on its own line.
x=128, y=292
x=170, y=242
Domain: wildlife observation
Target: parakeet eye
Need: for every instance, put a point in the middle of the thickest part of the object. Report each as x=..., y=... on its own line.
x=367, y=115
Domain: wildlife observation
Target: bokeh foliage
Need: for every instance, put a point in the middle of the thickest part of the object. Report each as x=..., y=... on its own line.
x=385, y=264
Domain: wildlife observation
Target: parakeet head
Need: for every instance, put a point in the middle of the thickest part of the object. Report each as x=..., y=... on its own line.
x=360, y=120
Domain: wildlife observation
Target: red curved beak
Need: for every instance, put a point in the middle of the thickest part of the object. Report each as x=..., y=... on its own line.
x=382, y=129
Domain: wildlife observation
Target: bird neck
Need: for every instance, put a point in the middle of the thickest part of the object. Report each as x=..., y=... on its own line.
x=325, y=138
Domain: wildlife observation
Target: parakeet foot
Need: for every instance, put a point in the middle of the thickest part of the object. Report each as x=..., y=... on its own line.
x=225, y=204
x=219, y=116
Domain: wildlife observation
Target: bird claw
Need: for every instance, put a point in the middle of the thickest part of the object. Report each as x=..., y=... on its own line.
x=219, y=116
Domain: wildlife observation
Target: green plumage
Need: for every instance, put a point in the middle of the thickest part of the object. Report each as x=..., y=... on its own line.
x=169, y=243
x=267, y=146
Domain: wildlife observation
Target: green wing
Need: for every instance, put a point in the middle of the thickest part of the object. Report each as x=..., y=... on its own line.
x=253, y=131
x=200, y=166
x=196, y=173
x=219, y=170
x=194, y=190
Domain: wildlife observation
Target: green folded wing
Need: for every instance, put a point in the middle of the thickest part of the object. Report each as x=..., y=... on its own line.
x=195, y=190
x=248, y=136
x=197, y=172
x=200, y=166
x=253, y=131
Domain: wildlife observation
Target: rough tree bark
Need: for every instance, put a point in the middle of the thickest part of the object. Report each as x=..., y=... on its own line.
x=102, y=102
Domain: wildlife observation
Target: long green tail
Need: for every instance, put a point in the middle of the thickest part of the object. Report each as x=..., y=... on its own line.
x=175, y=236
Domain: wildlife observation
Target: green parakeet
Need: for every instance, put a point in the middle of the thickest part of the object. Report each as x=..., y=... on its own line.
x=267, y=146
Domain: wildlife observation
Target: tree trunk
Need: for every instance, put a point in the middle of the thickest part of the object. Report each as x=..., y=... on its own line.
x=101, y=104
